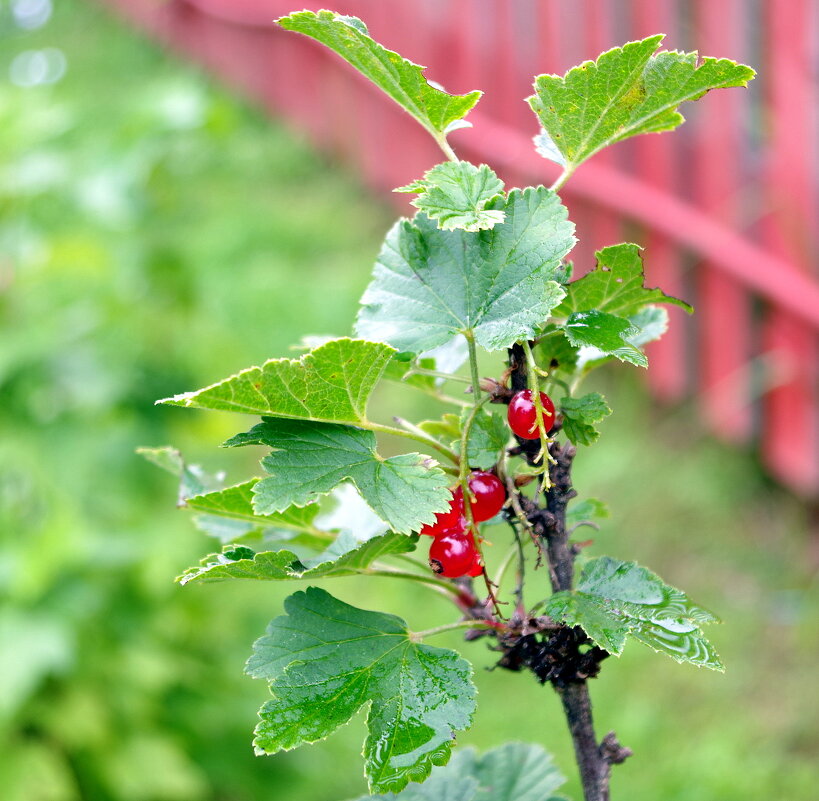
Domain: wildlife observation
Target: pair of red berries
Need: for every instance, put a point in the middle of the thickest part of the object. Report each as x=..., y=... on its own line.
x=522, y=415
x=453, y=552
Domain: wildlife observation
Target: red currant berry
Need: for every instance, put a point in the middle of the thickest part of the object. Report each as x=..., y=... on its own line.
x=449, y=520
x=477, y=567
x=522, y=416
x=452, y=555
x=489, y=494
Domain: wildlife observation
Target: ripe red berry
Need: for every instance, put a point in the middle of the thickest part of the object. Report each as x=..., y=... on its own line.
x=522, y=416
x=451, y=519
x=477, y=567
x=452, y=555
x=488, y=492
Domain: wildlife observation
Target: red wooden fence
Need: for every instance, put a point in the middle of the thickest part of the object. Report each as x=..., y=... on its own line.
x=727, y=207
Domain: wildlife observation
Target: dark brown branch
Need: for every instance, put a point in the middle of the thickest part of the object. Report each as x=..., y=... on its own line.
x=562, y=656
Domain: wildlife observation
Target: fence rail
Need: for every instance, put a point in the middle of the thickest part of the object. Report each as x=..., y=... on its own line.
x=727, y=208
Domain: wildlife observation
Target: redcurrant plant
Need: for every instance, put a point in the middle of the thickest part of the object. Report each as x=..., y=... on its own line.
x=477, y=267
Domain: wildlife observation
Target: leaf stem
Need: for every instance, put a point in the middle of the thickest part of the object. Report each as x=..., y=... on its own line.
x=418, y=436
x=562, y=178
x=449, y=589
x=445, y=146
x=417, y=636
x=464, y=472
x=435, y=374
x=534, y=386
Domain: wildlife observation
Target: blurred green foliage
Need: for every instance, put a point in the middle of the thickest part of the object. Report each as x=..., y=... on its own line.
x=156, y=235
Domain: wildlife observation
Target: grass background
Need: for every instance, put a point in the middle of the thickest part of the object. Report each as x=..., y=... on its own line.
x=156, y=234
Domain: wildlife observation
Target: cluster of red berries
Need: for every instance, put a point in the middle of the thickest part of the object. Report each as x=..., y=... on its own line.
x=453, y=552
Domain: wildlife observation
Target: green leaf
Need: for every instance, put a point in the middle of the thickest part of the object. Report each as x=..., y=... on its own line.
x=627, y=91
x=325, y=660
x=607, y=333
x=456, y=194
x=193, y=480
x=331, y=383
x=556, y=353
x=651, y=323
x=310, y=459
x=447, y=429
x=512, y=772
x=235, y=505
x=487, y=437
x=347, y=557
x=430, y=285
x=614, y=599
x=402, y=80
x=579, y=415
x=614, y=286
x=586, y=510
x=399, y=366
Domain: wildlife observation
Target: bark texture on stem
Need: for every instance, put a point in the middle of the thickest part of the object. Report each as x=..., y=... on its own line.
x=559, y=658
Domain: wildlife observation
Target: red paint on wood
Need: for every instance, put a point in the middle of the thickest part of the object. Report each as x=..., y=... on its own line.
x=790, y=444
x=723, y=306
x=655, y=161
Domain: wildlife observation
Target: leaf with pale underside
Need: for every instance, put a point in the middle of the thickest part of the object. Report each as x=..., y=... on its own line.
x=229, y=515
x=437, y=110
x=580, y=415
x=192, y=478
x=615, y=599
x=511, y=772
x=331, y=383
x=456, y=194
x=310, y=459
x=627, y=91
x=327, y=656
x=346, y=557
x=430, y=285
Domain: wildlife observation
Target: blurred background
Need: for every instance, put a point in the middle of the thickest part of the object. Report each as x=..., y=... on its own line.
x=164, y=225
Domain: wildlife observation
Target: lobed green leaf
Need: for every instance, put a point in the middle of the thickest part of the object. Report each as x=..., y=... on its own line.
x=580, y=414
x=497, y=286
x=615, y=285
x=331, y=383
x=437, y=110
x=627, y=91
x=347, y=557
x=325, y=660
x=456, y=194
x=511, y=772
x=617, y=599
x=311, y=459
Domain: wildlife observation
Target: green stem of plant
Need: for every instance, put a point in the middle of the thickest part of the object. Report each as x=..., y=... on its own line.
x=436, y=374
x=562, y=178
x=417, y=636
x=464, y=472
x=418, y=437
x=445, y=146
x=450, y=589
x=532, y=374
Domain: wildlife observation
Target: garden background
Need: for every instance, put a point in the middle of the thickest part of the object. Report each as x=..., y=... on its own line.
x=158, y=233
